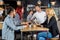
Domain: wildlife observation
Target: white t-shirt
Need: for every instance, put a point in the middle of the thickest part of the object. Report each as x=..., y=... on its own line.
x=40, y=17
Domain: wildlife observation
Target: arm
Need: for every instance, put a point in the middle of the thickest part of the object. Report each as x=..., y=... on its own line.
x=28, y=18
x=53, y=21
x=33, y=17
x=4, y=31
x=10, y=23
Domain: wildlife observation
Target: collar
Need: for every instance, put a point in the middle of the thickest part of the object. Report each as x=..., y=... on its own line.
x=10, y=16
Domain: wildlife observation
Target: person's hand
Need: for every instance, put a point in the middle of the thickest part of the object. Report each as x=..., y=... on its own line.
x=25, y=26
x=24, y=23
x=42, y=26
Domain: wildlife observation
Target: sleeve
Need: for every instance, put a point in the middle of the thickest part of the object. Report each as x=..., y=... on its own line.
x=20, y=27
x=53, y=20
x=12, y=25
x=33, y=17
x=3, y=32
x=28, y=18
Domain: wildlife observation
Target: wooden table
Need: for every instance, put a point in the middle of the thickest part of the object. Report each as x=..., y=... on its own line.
x=34, y=29
x=27, y=29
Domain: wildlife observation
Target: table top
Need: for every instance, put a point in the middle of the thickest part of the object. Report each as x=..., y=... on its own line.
x=29, y=29
x=34, y=29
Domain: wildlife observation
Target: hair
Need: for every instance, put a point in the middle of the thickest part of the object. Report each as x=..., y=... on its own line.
x=30, y=11
x=19, y=0
x=37, y=5
x=21, y=4
x=51, y=13
x=9, y=10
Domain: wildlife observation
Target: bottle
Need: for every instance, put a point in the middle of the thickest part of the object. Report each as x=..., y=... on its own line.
x=49, y=5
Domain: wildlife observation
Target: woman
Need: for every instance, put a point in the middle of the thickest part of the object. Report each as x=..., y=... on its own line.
x=51, y=24
x=30, y=15
x=9, y=26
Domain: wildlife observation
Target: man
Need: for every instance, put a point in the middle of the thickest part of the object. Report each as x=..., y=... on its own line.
x=39, y=15
x=9, y=26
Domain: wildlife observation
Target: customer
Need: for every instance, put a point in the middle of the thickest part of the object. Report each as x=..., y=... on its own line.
x=30, y=14
x=39, y=15
x=51, y=24
x=9, y=26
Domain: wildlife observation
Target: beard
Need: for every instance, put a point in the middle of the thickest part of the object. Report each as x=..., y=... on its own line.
x=14, y=16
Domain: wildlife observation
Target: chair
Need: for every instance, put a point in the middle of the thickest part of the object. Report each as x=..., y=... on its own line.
x=1, y=30
x=54, y=39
